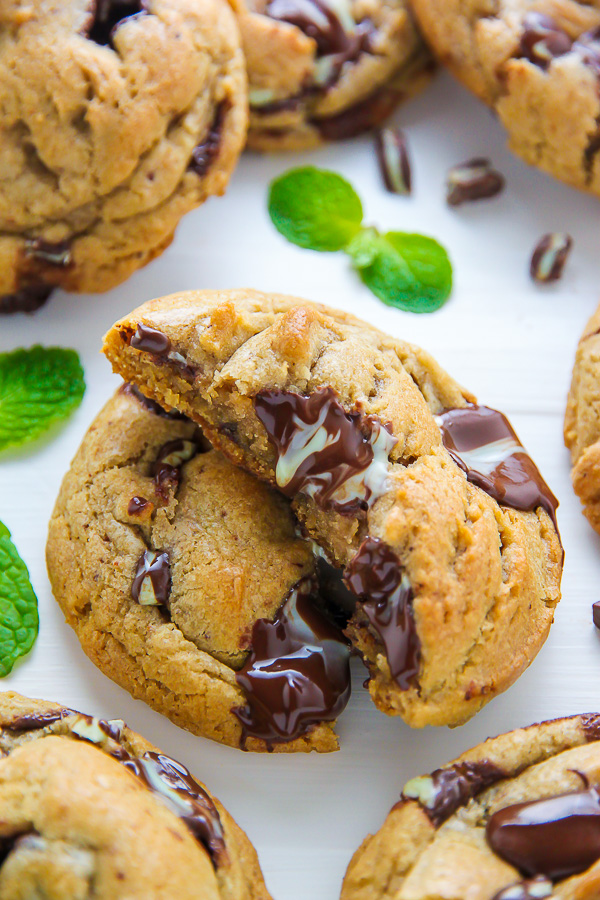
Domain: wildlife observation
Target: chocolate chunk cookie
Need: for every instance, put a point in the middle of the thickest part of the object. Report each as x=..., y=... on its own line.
x=186, y=584
x=323, y=70
x=117, y=117
x=439, y=519
x=516, y=818
x=89, y=808
x=538, y=65
x=582, y=421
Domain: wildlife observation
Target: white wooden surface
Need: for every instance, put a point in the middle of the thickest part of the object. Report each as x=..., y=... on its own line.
x=509, y=341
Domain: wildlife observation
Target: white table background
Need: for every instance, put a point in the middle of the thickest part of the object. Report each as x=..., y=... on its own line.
x=506, y=339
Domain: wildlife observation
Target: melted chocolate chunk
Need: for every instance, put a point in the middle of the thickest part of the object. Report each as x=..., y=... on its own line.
x=205, y=153
x=339, y=459
x=316, y=20
x=533, y=889
x=376, y=577
x=483, y=443
x=361, y=117
x=590, y=723
x=167, y=469
x=542, y=40
x=446, y=790
x=150, y=405
x=26, y=300
x=137, y=505
x=108, y=16
x=150, y=340
x=33, y=721
x=152, y=581
x=51, y=254
x=557, y=837
x=297, y=674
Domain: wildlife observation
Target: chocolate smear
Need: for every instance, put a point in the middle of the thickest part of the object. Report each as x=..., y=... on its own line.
x=152, y=580
x=361, y=117
x=297, y=674
x=315, y=19
x=542, y=40
x=483, y=443
x=33, y=721
x=376, y=577
x=556, y=837
x=204, y=154
x=108, y=15
x=446, y=790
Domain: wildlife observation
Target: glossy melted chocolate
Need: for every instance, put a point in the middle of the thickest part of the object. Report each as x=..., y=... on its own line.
x=108, y=16
x=204, y=154
x=454, y=786
x=376, y=577
x=483, y=443
x=153, y=570
x=298, y=672
x=338, y=458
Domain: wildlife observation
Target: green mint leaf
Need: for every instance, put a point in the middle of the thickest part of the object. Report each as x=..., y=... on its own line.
x=18, y=605
x=410, y=271
x=38, y=387
x=315, y=208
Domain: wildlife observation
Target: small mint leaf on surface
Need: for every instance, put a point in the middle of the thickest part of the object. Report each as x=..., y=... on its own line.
x=38, y=387
x=409, y=271
x=18, y=605
x=315, y=208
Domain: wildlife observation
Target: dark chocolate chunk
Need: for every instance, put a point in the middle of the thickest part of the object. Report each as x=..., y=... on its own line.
x=338, y=458
x=137, y=505
x=297, y=674
x=376, y=577
x=152, y=581
x=33, y=721
x=204, y=154
x=556, y=837
x=26, y=300
x=394, y=163
x=483, y=443
x=108, y=16
x=596, y=613
x=549, y=257
x=472, y=180
x=587, y=46
x=339, y=601
x=361, y=117
x=51, y=254
x=532, y=889
x=150, y=340
x=448, y=789
x=315, y=19
x=167, y=469
x=542, y=40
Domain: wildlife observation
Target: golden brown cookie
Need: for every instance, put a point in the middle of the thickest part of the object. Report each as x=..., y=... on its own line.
x=117, y=117
x=538, y=65
x=89, y=808
x=186, y=584
x=439, y=518
x=516, y=818
x=323, y=70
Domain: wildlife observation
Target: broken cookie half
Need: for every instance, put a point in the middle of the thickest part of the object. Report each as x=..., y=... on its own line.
x=438, y=518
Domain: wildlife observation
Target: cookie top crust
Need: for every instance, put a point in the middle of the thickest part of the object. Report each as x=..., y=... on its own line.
x=89, y=807
x=538, y=65
x=187, y=584
x=471, y=583
x=516, y=818
x=117, y=118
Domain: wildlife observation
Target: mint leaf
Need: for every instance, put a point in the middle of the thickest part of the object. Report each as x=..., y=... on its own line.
x=18, y=605
x=38, y=387
x=315, y=208
x=409, y=271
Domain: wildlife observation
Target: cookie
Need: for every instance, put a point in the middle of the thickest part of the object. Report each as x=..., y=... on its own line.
x=538, y=65
x=516, y=818
x=90, y=808
x=582, y=421
x=321, y=71
x=117, y=117
x=186, y=584
x=440, y=520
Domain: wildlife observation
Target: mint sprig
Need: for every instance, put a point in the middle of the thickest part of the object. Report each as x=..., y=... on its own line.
x=18, y=605
x=38, y=387
x=319, y=210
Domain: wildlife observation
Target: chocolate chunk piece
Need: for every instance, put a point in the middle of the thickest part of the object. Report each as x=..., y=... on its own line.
x=376, y=577
x=483, y=443
x=361, y=117
x=205, y=153
x=318, y=20
x=33, y=721
x=532, y=889
x=339, y=459
x=167, y=469
x=152, y=581
x=137, y=506
x=472, y=180
x=556, y=837
x=596, y=613
x=28, y=299
x=549, y=257
x=297, y=674
x=150, y=340
x=52, y=254
x=394, y=164
x=108, y=16
x=446, y=790
x=542, y=40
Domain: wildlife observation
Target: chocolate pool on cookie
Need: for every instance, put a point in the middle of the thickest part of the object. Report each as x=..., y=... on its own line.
x=427, y=504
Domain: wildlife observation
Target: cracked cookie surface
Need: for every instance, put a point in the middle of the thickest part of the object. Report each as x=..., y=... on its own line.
x=91, y=809
x=186, y=584
x=537, y=63
x=320, y=70
x=116, y=118
x=515, y=818
x=456, y=590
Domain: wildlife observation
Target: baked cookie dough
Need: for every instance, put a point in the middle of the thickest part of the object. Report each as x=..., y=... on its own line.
x=89, y=808
x=440, y=520
x=537, y=63
x=516, y=818
x=116, y=118
x=187, y=585
x=323, y=70
x=582, y=421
